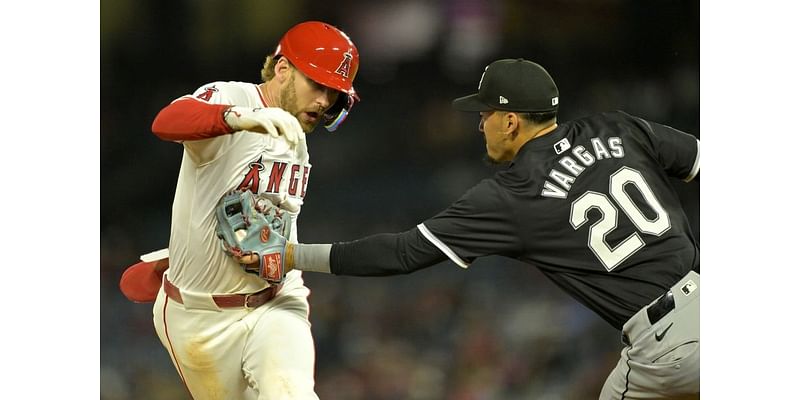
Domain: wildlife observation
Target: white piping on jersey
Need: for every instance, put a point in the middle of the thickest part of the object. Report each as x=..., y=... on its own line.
x=696, y=166
x=441, y=246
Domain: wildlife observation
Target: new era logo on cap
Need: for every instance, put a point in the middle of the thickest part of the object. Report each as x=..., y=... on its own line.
x=554, y=101
x=503, y=100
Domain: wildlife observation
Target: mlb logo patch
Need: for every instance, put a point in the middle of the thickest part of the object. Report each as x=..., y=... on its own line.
x=688, y=288
x=562, y=146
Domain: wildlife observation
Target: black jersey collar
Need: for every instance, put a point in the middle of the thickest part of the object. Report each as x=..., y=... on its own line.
x=545, y=141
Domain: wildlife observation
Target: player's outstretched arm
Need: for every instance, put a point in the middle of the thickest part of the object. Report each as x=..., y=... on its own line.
x=190, y=119
x=253, y=233
x=377, y=255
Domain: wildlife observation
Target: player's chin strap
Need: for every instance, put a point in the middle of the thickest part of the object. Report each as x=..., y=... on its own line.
x=337, y=114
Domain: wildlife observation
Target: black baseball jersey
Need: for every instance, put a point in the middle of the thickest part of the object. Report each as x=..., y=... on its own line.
x=590, y=204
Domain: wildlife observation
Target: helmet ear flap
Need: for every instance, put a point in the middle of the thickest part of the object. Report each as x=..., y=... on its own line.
x=338, y=112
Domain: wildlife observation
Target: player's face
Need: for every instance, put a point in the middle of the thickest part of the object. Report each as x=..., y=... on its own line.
x=306, y=100
x=492, y=124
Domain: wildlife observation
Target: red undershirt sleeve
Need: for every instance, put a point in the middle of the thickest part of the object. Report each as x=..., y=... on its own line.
x=190, y=119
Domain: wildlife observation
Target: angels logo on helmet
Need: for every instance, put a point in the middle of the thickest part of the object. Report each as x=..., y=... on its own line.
x=344, y=66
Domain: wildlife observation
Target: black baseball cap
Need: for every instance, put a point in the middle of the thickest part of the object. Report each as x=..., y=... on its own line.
x=512, y=85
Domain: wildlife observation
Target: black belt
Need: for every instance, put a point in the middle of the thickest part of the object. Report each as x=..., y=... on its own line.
x=656, y=311
x=661, y=307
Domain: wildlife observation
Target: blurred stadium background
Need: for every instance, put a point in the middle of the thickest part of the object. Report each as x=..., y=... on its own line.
x=496, y=331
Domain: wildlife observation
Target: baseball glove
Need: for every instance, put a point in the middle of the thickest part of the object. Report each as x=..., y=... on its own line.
x=243, y=227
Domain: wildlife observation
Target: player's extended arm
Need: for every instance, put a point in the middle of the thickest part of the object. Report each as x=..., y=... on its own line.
x=191, y=119
x=260, y=246
x=377, y=255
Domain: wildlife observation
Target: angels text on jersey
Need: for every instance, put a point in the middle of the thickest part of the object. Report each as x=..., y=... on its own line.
x=574, y=163
x=279, y=172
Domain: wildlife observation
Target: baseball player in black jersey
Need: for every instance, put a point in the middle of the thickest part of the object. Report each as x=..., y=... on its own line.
x=589, y=203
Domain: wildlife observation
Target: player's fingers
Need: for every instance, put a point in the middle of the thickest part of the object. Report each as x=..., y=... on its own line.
x=287, y=205
x=248, y=259
x=270, y=128
x=297, y=129
x=279, y=130
x=287, y=132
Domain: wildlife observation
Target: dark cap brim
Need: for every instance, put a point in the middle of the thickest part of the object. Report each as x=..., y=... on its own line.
x=470, y=103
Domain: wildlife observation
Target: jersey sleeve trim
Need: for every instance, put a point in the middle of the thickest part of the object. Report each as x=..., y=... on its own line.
x=695, y=167
x=441, y=246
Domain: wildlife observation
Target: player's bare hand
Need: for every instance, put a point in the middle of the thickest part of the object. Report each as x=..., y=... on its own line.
x=247, y=259
x=273, y=121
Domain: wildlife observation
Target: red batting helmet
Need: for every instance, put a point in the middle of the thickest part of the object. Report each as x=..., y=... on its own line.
x=326, y=55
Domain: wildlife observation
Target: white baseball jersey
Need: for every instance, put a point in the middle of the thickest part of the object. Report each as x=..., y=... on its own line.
x=235, y=352
x=210, y=168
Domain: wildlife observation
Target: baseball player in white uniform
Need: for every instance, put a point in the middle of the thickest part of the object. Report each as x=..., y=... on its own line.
x=229, y=333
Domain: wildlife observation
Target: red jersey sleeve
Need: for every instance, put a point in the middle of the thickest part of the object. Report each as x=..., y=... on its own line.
x=190, y=119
